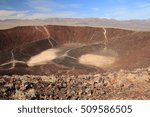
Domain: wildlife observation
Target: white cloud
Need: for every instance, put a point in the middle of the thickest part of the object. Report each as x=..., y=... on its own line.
x=8, y=12
x=95, y=9
x=41, y=9
x=138, y=11
x=143, y=5
x=50, y=15
x=49, y=5
x=11, y=14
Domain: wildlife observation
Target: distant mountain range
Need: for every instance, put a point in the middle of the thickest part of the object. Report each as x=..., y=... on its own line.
x=142, y=25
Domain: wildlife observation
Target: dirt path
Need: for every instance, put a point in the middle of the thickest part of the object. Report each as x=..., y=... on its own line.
x=106, y=39
x=37, y=28
x=92, y=36
x=12, y=61
x=45, y=31
x=48, y=36
x=66, y=54
x=13, y=58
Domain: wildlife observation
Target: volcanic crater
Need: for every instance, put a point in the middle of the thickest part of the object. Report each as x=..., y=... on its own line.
x=50, y=49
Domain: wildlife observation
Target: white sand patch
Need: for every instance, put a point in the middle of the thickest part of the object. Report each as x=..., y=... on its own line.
x=96, y=60
x=43, y=57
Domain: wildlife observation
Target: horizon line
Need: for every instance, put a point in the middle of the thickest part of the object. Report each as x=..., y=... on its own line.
x=77, y=18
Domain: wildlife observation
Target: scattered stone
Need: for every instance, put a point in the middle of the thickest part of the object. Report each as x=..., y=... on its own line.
x=122, y=84
x=49, y=79
x=2, y=81
x=30, y=93
x=19, y=95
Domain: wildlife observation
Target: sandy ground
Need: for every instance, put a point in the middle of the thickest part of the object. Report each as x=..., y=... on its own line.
x=97, y=60
x=43, y=57
x=87, y=59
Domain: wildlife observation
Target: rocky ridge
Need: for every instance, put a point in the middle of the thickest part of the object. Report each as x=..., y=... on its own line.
x=122, y=84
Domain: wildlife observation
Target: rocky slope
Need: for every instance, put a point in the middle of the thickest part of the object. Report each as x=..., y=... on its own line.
x=122, y=84
x=45, y=50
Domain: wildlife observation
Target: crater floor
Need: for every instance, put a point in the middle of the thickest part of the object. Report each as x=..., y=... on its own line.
x=46, y=50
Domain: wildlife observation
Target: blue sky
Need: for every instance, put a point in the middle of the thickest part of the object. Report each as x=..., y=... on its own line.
x=42, y=9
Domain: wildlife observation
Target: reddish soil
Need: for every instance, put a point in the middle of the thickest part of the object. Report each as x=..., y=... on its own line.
x=131, y=48
x=74, y=56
